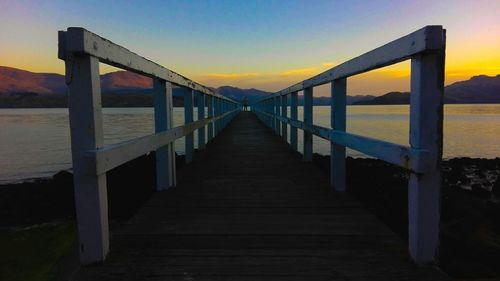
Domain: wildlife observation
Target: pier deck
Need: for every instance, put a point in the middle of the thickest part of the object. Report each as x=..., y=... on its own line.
x=249, y=208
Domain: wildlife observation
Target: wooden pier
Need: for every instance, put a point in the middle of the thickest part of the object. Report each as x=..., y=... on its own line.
x=249, y=208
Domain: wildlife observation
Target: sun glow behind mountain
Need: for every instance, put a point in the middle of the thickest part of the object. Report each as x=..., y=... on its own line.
x=265, y=45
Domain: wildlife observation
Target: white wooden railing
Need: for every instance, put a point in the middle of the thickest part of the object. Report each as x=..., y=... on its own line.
x=426, y=49
x=82, y=51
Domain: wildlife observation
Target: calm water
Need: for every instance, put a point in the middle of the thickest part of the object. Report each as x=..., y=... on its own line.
x=36, y=142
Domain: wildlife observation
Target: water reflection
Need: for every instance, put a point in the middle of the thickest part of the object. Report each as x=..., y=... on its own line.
x=36, y=142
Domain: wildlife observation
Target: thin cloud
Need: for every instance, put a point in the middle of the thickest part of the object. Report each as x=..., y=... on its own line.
x=328, y=64
x=231, y=76
x=300, y=71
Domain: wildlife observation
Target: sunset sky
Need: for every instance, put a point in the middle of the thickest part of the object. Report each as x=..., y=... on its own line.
x=257, y=44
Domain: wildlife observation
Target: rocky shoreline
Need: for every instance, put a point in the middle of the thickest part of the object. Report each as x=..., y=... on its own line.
x=470, y=214
x=470, y=222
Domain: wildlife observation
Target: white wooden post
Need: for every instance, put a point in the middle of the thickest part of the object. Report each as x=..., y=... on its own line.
x=284, y=125
x=210, y=113
x=188, y=118
x=201, y=116
x=426, y=132
x=85, y=116
x=308, y=121
x=338, y=122
x=165, y=156
x=294, y=116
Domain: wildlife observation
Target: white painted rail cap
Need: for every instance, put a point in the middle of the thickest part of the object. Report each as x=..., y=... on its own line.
x=79, y=41
x=426, y=39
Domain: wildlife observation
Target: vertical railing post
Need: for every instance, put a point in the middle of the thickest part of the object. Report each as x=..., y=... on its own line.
x=308, y=121
x=426, y=133
x=201, y=116
x=163, y=112
x=210, y=113
x=293, y=115
x=216, y=113
x=219, y=112
x=277, y=112
x=188, y=118
x=85, y=115
x=284, y=125
x=338, y=122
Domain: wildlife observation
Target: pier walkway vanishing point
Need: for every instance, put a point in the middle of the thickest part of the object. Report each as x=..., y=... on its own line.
x=250, y=207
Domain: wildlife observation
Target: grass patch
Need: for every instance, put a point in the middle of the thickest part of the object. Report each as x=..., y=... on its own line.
x=31, y=253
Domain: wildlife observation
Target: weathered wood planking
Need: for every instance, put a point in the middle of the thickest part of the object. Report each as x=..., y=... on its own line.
x=248, y=208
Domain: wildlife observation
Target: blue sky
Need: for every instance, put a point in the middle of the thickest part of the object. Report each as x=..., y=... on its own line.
x=262, y=44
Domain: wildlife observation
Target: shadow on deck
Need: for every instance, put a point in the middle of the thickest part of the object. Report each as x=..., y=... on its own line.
x=248, y=208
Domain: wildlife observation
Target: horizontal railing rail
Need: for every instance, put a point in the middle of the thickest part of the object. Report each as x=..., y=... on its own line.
x=114, y=155
x=426, y=49
x=82, y=51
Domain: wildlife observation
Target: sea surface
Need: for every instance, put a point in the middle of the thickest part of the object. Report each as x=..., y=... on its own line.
x=36, y=142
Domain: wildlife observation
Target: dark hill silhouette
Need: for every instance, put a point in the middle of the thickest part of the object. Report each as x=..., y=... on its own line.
x=478, y=89
x=13, y=80
x=28, y=89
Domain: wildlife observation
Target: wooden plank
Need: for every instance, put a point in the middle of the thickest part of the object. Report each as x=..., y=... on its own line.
x=426, y=133
x=405, y=157
x=85, y=115
x=338, y=123
x=79, y=41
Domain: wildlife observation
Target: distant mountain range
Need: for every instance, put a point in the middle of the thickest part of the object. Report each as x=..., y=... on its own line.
x=13, y=80
x=20, y=88
x=478, y=89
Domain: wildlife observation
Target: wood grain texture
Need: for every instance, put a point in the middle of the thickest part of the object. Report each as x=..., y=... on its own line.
x=248, y=208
